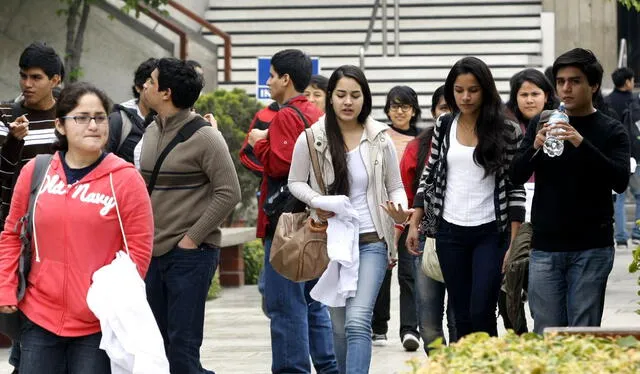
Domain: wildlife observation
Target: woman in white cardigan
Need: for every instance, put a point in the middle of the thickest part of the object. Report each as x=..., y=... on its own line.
x=358, y=160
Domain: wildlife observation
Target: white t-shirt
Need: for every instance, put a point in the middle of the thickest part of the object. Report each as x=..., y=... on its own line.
x=468, y=200
x=358, y=182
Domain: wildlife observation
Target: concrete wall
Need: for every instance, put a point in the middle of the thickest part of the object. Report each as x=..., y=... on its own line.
x=111, y=50
x=590, y=24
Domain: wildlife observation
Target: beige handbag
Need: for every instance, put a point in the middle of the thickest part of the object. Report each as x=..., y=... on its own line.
x=430, y=262
x=299, y=247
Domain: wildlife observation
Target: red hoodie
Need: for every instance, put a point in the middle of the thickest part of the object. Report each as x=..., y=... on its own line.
x=276, y=151
x=76, y=232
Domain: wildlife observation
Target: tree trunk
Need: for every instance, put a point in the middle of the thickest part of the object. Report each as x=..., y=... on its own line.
x=75, y=38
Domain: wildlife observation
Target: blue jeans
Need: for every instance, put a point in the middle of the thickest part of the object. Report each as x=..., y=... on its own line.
x=352, y=323
x=620, y=216
x=177, y=286
x=567, y=288
x=430, y=304
x=471, y=262
x=406, y=280
x=43, y=352
x=300, y=326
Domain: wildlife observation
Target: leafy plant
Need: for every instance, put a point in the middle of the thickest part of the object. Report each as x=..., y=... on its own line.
x=253, y=254
x=631, y=4
x=215, y=288
x=635, y=265
x=234, y=111
x=532, y=353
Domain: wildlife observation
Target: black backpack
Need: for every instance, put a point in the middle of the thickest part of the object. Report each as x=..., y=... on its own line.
x=631, y=123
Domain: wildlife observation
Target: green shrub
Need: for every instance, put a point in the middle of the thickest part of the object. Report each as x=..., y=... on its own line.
x=253, y=254
x=234, y=111
x=635, y=264
x=531, y=353
x=216, y=288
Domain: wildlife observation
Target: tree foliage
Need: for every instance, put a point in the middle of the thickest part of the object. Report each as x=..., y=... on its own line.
x=234, y=111
x=77, y=16
x=631, y=4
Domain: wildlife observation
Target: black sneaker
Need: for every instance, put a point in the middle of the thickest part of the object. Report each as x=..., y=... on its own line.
x=379, y=340
x=621, y=244
x=410, y=343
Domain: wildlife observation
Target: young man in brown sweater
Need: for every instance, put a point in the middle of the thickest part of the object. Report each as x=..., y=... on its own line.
x=197, y=186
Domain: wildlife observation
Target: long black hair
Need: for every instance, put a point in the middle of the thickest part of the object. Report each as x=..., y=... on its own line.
x=335, y=141
x=536, y=78
x=490, y=153
x=403, y=95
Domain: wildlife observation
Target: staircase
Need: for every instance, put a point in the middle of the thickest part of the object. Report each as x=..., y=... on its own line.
x=433, y=35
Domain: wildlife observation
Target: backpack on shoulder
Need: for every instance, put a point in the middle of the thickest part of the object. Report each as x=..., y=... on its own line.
x=10, y=324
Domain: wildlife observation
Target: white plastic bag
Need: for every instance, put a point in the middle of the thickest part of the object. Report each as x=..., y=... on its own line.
x=430, y=262
x=130, y=335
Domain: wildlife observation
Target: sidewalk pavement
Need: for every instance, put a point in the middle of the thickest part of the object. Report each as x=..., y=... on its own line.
x=237, y=333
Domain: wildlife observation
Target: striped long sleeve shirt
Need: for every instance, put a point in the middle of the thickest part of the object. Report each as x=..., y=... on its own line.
x=16, y=153
x=509, y=199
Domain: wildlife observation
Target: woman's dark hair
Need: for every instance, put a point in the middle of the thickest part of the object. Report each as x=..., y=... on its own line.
x=337, y=147
x=69, y=98
x=319, y=81
x=403, y=95
x=435, y=99
x=535, y=77
x=490, y=153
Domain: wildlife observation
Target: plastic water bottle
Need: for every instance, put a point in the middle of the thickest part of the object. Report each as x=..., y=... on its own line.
x=552, y=145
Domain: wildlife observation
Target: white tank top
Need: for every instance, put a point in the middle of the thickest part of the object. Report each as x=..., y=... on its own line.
x=358, y=182
x=468, y=200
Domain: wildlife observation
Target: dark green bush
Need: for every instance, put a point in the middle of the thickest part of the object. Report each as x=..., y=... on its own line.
x=253, y=254
x=234, y=111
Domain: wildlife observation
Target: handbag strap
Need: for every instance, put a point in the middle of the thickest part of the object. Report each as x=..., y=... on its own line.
x=314, y=160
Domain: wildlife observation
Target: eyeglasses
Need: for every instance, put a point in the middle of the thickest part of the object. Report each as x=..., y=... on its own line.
x=99, y=119
x=404, y=107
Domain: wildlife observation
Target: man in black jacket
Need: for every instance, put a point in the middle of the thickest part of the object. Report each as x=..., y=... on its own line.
x=127, y=120
x=619, y=100
x=572, y=215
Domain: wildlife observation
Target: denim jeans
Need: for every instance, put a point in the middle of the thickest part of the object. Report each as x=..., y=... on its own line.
x=300, y=326
x=406, y=280
x=43, y=352
x=352, y=323
x=430, y=304
x=620, y=216
x=177, y=287
x=567, y=288
x=471, y=262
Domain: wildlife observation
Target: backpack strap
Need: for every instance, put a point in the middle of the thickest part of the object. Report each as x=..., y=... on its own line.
x=183, y=135
x=27, y=223
x=314, y=161
x=127, y=125
x=302, y=117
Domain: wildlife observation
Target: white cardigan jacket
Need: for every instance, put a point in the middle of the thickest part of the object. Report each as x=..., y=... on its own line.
x=380, y=159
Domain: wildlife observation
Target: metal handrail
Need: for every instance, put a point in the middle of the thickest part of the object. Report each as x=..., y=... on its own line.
x=622, y=54
x=396, y=27
x=154, y=15
x=367, y=39
x=202, y=22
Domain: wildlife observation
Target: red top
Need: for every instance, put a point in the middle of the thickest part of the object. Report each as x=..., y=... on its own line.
x=77, y=232
x=276, y=150
x=261, y=121
x=408, y=167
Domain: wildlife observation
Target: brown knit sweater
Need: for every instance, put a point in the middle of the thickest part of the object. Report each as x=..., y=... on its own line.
x=197, y=186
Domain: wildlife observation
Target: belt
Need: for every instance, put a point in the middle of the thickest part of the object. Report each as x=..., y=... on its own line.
x=369, y=237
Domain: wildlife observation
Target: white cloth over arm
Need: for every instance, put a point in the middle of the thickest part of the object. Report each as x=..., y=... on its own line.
x=340, y=280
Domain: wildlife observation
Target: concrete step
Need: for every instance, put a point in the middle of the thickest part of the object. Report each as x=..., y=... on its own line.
x=406, y=24
x=420, y=62
x=346, y=38
x=348, y=11
x=427, y=48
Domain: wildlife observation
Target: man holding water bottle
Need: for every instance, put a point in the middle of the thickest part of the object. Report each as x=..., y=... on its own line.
x=572, y=214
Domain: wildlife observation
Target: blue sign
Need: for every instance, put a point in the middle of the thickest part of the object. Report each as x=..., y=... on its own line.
x=264, y=63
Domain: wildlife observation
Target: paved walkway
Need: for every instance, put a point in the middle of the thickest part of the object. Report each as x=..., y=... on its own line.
x=237, y=333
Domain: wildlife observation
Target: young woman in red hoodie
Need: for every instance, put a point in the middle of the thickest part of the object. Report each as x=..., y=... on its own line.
x=76, y=231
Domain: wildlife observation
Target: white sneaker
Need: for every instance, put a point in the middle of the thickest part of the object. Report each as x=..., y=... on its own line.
x=379, y=340
x=410, y=343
